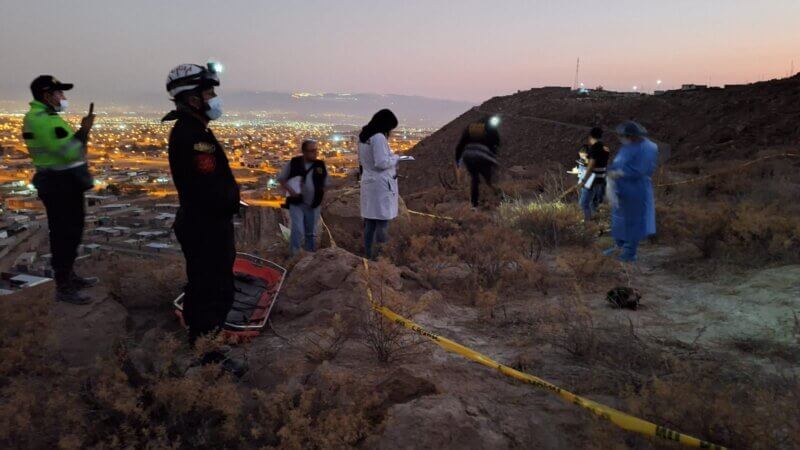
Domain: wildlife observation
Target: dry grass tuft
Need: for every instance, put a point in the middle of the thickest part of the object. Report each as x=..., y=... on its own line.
x=550, y=224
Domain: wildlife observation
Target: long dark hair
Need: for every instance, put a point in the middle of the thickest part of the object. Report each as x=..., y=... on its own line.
x=383, y=121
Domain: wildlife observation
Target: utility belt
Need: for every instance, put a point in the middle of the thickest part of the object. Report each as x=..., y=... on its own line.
x=77, y=172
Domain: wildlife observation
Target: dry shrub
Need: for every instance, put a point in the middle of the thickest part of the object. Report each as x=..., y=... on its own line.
x=486, y=301
x=767, y=347
x=388, y=341
x=496, y=257
x=584, y=265
x=724, y=404
x=337, y=414
x=704, y=227
x=675, y=384
x=325, y=345
x=207, y=404
x=23, y=325
x=35, y=414
x=548, y=223
x=766, y=232
x=617, y=355
x=746, y=233
x=414, y=240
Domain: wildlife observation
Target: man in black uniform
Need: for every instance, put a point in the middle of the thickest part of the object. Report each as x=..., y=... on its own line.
x=592, y=186
x=477, y=149
x=209, y=198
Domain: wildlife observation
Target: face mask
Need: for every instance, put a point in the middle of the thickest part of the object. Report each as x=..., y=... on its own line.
x=214, y=110
x=62, y=105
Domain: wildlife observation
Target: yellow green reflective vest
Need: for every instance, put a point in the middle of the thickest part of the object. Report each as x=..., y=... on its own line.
x=50, y=139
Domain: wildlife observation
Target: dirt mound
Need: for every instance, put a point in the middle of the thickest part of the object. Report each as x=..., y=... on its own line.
x=341, y=211
x=548, y=124
x=329, y=282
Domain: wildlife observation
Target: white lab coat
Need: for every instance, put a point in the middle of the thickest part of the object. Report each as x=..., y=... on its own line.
x=379, y=193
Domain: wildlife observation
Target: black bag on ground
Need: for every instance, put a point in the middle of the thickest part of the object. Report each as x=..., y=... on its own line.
x=624, y=297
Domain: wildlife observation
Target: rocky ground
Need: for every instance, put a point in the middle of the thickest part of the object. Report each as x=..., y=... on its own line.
x=424, y=397
x=712, y=350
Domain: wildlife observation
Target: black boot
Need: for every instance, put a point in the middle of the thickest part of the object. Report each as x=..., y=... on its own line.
x=81, y=282
x=71, y=296
x=233, y=366
x=66, y=292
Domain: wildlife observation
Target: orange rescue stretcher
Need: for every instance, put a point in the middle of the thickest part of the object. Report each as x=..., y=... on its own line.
x=257, y=283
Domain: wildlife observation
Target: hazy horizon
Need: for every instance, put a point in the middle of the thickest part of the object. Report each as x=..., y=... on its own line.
x=467, y=52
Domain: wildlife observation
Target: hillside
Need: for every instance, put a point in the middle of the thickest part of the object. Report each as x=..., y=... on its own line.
x=712, y=351
x=547, y=124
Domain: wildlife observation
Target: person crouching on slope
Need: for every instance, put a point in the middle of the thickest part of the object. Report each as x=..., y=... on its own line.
x=379, y=189
x=477, y=149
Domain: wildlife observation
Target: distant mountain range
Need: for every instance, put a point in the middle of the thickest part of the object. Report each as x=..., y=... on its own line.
x=345, y=109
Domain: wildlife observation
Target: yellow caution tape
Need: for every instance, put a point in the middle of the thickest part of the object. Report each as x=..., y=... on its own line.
x=433, y=216
x=735, y=169
x=618, y=418
x=327, y=230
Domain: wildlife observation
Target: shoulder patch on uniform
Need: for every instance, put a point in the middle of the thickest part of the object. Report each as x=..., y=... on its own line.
x=205, y=147
x=205, y=163
x=61, y=133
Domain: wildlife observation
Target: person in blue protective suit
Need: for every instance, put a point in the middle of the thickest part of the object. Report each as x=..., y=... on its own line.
x=630, y=191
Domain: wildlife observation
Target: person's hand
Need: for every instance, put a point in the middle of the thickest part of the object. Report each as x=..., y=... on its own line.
x=88, y=122
x=581, y=185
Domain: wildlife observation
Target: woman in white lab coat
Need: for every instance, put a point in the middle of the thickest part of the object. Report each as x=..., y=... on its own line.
x=379, y=194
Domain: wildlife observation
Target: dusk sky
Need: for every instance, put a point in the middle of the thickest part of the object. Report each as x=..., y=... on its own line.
x=463, y=50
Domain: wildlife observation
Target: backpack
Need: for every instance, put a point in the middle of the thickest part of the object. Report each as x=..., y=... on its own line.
x=624, y=297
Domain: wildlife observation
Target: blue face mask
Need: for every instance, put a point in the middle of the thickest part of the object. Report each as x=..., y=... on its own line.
x=214, y=110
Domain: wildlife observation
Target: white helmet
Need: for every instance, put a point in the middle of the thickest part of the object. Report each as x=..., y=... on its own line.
x=187, y=77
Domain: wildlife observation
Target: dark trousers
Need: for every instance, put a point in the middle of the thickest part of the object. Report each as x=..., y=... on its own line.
x=63, y=200
x=477, y=170
x=209, y=248
x=599, y=189
x=374, y=231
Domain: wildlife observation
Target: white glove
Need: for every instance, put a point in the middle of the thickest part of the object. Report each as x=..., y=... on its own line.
x=614, y=174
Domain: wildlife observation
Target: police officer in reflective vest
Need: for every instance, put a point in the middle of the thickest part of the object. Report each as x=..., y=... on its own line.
x=62, y=176
x=209, y=198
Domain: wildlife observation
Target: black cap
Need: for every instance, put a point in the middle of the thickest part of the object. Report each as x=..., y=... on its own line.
x=48, y=83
